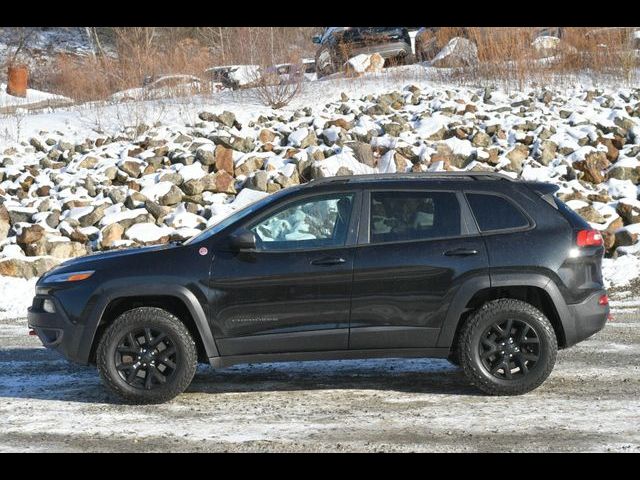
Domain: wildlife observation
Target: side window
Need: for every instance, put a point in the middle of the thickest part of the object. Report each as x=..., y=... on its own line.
x=495, y=213
x=311, y=223
x=398, y=216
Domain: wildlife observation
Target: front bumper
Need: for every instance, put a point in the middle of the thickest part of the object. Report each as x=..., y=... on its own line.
x=55, y=330
x=589, y=317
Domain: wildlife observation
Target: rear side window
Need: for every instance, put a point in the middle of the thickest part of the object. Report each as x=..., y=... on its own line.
x=495, y=213
x=400, y=216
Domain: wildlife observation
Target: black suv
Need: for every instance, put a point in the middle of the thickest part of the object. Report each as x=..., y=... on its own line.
x=492, y=273
x=339, y=44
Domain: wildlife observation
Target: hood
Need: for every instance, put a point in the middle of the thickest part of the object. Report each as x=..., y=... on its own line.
x=99, y=257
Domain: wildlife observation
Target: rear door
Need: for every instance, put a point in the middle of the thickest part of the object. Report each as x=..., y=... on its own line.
x=416, y=247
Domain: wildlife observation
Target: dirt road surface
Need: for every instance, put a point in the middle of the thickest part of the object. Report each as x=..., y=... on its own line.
x=591, y=402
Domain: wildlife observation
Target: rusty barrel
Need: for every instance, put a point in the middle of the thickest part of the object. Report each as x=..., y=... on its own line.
x=17, y=79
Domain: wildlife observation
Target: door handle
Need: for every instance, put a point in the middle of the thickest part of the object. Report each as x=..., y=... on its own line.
x=461, y=252
x=328, y=261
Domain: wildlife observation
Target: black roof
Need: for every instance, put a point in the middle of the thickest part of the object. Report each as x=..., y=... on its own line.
x=390, y=177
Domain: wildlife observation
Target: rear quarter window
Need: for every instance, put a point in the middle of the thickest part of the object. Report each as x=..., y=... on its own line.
x=495, y=213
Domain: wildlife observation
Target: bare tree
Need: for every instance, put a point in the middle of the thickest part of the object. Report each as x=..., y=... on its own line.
x=17, y=40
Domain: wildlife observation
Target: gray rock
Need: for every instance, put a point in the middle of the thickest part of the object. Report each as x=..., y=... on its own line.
x=259, y=181
x=172, y=197
x=363, y=153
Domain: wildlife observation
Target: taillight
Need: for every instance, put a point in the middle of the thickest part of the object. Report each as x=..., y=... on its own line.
x=589, y=238
x=603, y=300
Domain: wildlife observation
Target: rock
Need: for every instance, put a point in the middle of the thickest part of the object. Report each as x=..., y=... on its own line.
x=172, y=197
x=339, y=122
x=5, y=222
x=88, y=162
x=266, y=136
x=459, y=52
x=117, y=195
x=17, y=267
x=224, y=183
x=592, y=167
x=612, y=151
x=205, y=117
x=548, y=151
x=111, y=233
x=628, y=213
x=590, y=214
x=20, y=216
x=37, y=144
x=392, y=129
x=443, y=154
x=66, y=249
x=259, y=181
x=206, y=156
x=131, y=168
x=135, y=200
x=363, y=153
x=240, y=144
x=192, y=187
x=93, y=217
x=30, y=234
x=158, y=211
x=249, y=165
x=625, y=238
x=172, y=177
x=481, y=139
x=344, y=171
x=517, y=155
x=226, y=118
x=625, y=173
x=223, y=159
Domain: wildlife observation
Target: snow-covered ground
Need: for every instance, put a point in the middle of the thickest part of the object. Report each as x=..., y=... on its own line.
x=589, y=403
x=167, y=168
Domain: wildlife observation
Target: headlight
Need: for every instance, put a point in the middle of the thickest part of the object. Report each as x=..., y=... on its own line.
x=68, y=277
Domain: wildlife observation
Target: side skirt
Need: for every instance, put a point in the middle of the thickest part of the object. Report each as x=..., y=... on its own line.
x=227, y=361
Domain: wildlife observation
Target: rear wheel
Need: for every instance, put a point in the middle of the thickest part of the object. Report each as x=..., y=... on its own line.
x=147, y=355
x=507, y=347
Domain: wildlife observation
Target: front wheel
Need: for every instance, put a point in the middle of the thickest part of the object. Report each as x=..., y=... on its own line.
x=147, y=355
x=507, y=347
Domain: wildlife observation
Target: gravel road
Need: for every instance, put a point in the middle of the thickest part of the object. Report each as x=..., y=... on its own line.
x=591, y=402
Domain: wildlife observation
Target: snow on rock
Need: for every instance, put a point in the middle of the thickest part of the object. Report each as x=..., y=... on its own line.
x=147, y=232
x=121, y=188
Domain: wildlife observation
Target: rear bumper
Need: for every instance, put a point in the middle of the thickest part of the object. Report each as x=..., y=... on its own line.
x=55, y=330
x=588, y=317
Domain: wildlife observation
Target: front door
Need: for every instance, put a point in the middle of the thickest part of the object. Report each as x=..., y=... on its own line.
x=293, y=293
x=416, y=249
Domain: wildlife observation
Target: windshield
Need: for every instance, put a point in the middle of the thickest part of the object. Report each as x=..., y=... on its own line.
x=235, y=216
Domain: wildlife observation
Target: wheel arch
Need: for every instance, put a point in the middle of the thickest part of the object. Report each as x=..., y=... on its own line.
x=176, y=299
x=535, y=289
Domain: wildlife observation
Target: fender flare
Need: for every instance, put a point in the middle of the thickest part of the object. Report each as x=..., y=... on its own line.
x=466, y=292
x=154, y=287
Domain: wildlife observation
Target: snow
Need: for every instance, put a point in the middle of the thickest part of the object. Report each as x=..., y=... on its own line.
x=153, y=192
x=620, y=271
x=17, y=295
x=147, y=232
x=191, y=172
x=124, y=215
x=33, y=96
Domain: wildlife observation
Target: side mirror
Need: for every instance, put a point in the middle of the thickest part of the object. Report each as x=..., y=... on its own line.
x=316, y=39
x=242, y=241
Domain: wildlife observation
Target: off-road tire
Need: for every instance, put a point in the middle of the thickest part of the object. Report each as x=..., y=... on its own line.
x=483, y=318
x=158, y=319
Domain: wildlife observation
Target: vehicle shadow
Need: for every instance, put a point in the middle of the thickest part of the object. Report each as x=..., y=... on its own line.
x=40, y=374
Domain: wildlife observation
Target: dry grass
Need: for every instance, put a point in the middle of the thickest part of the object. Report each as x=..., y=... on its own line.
x=506, y=55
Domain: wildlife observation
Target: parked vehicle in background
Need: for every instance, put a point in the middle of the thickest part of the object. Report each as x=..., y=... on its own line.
x=336, y=45
x=492, y=273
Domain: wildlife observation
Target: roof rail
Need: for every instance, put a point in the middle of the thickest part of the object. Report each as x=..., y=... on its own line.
x=414, y=176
